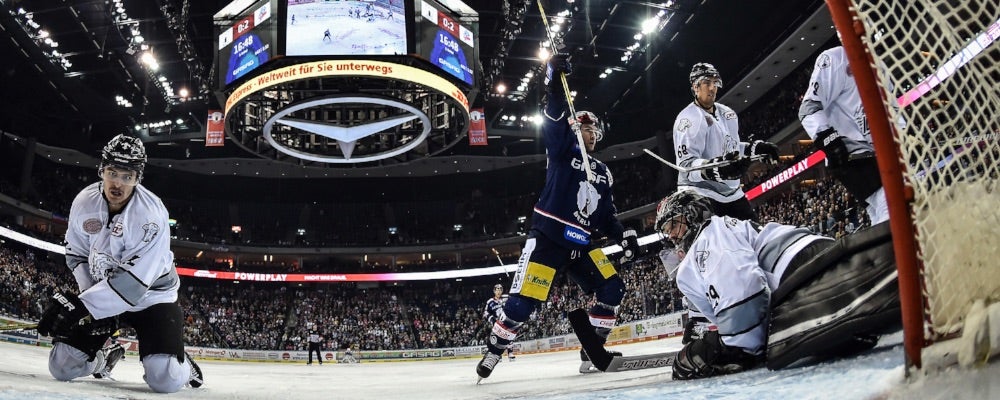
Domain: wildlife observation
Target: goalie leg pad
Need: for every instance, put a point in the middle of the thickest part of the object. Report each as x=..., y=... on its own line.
x=835, y=300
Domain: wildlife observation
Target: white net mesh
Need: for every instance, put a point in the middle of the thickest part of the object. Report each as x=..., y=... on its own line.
x=938, y=63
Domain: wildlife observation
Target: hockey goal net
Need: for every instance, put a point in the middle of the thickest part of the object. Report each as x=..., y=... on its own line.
x=929, y=74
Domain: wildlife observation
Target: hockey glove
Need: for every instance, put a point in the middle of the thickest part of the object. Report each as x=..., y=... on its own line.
x=630, y=246
x=558, y=63
x=767, y=149
x=833, y=145
x=64, y=314
x=733, y=168
x=695, y=329
x=708, y=356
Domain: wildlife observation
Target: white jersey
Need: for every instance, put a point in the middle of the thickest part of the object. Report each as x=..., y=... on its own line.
x=832, y=100
x=121, y=263
x=700, y=136
x=731, y=269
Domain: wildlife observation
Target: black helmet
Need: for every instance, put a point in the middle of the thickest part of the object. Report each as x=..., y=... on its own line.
x=704, y=70
x=125, y=152
x=695, y=208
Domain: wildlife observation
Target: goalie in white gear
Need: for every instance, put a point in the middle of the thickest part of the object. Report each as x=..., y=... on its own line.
x=832, y=115
x=118, y=249
x=759, y=284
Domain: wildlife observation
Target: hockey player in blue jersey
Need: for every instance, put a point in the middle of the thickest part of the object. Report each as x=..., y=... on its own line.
x=572, y=212
x=776, y=292
x=493, y=307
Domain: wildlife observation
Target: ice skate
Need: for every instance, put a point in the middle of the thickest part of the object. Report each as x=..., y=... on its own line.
x=486, y=365
x=108, y=358
x=196, y=377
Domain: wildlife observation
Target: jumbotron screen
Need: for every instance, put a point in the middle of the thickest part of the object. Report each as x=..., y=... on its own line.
x=447, y=43
x=248, y=43
x=339, y=28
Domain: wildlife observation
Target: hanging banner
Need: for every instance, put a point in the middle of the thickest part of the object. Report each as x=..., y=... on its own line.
x=215, y=135
x=477, y=127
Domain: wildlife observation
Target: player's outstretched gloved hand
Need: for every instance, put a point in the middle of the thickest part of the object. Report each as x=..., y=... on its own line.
x=708, y=357
x=833, y=145
x=558, y=63
x=630, y=246
x=64, y=314
x=767, y=149
x=733, y=168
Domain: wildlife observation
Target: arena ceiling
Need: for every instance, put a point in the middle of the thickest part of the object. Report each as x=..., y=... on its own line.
x=78, y=104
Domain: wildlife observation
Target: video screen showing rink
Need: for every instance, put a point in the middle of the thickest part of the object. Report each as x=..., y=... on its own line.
x=345, y=28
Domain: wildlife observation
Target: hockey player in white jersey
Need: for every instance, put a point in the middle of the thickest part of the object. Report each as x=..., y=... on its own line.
x=776, y=289
x=118, y=249
x=494, y=306
x=706, y=131
x=832, y=115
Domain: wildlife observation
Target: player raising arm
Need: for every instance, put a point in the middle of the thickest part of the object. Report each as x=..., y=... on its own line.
x=571, y=212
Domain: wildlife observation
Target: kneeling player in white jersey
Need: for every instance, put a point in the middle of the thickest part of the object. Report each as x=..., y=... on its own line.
x=118, y=249
x=776, y=290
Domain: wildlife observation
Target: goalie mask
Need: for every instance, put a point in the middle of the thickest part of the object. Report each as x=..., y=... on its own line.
x=696, y=210
x=589, y=118
x=124, y=152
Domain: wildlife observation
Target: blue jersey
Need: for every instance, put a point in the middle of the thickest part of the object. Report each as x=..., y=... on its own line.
x=570, y=209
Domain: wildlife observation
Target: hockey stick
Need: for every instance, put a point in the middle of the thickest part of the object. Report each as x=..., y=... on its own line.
x=632, y=363
x=18, y=327
x=679, y=168
x=569, y=97
x=500, y=260
x=601, y=359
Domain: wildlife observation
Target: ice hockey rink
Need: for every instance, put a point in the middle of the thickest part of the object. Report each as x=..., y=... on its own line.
x=348, y=35
x=875, y=375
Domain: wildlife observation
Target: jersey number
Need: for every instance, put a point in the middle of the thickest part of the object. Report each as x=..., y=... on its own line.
x=815, y=88
x=713, y=295
x=682, y=150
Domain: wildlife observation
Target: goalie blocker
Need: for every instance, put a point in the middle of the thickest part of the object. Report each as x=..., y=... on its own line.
x=837, y=302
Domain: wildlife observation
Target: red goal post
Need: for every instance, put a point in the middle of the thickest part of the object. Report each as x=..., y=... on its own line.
x=928, y=73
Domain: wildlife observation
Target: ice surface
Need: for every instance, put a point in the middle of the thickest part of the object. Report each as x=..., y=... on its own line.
x=875, y=375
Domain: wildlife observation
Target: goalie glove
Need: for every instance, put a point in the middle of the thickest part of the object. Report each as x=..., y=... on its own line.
x=708, y=356
x=833, y=145
x=760, y=147
x=733, y=169
x=630, y=246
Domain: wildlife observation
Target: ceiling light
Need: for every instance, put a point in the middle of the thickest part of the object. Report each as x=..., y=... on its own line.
x=543, y=54
x=501, y=88
x=649, y=25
